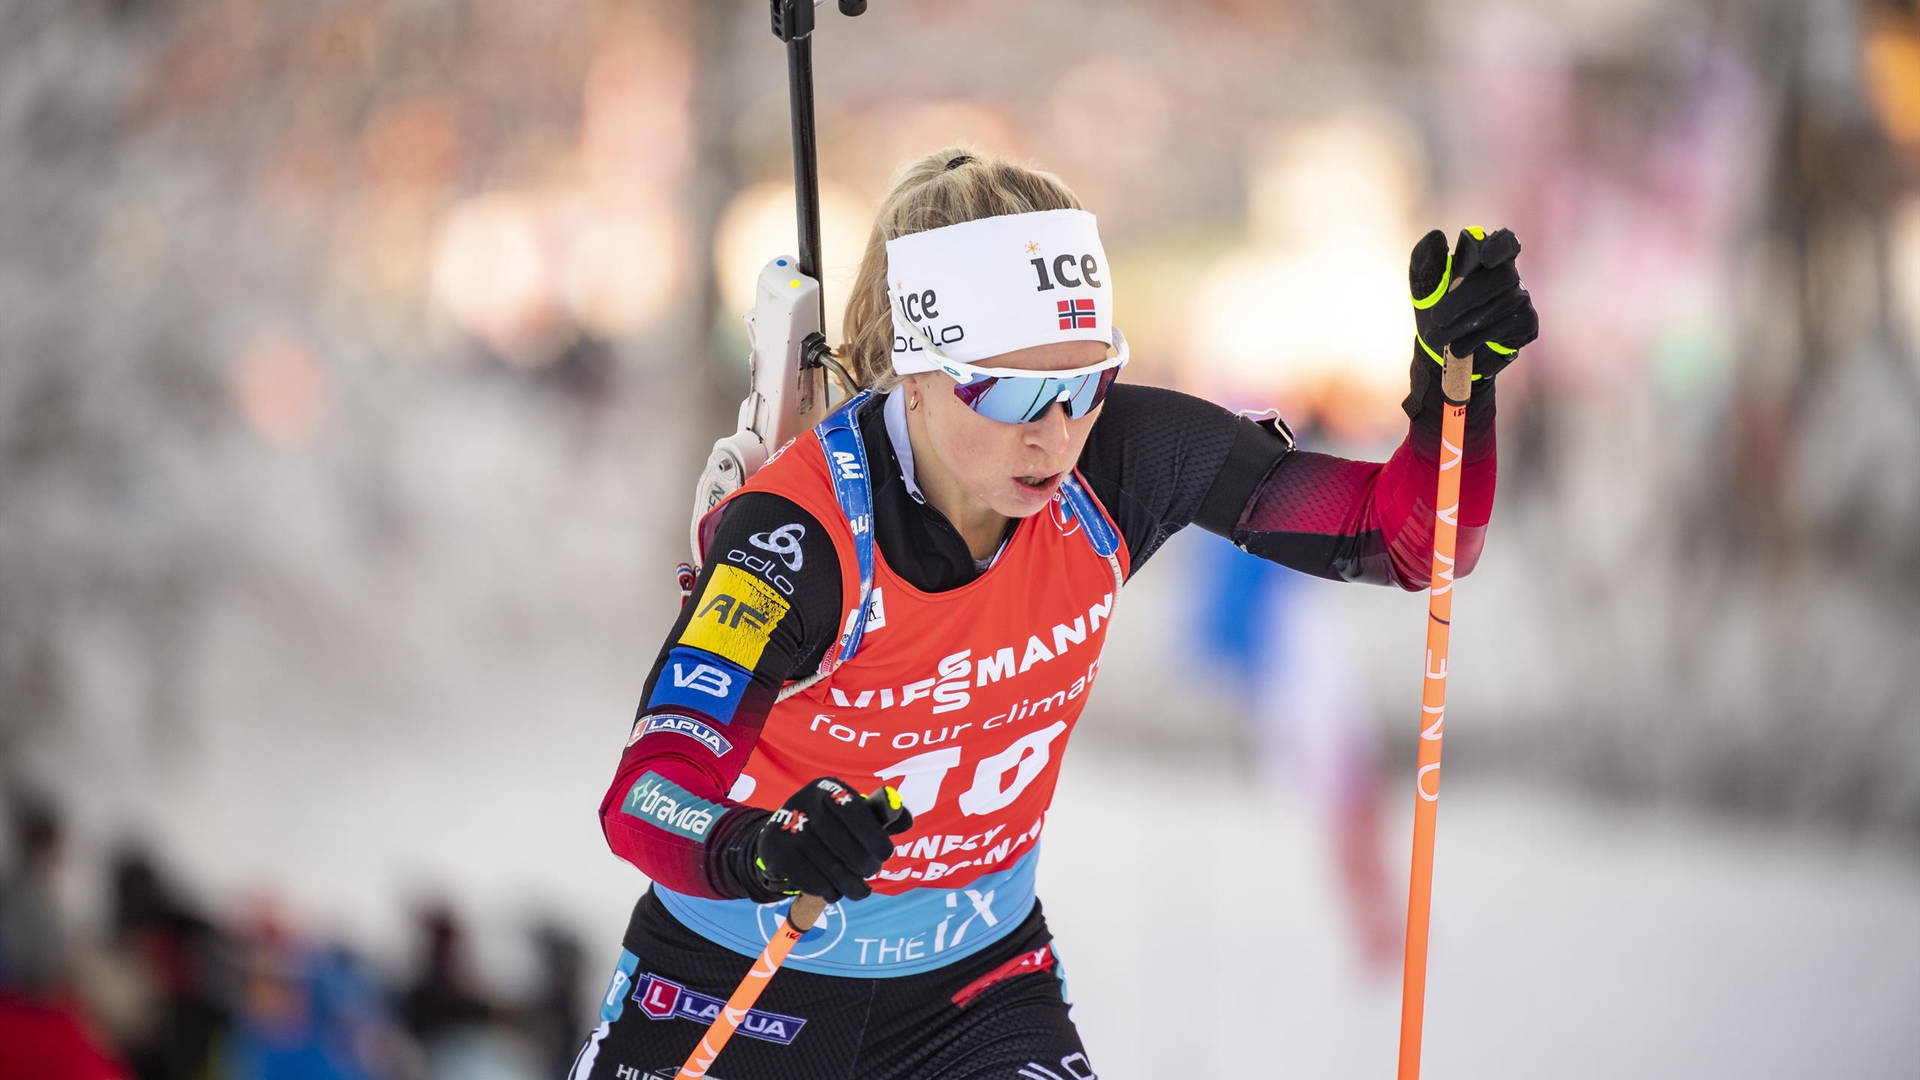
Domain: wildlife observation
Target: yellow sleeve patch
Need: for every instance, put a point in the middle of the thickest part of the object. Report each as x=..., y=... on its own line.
x=734, y=616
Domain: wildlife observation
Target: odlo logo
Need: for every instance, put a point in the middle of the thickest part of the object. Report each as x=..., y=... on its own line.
x=784, y=542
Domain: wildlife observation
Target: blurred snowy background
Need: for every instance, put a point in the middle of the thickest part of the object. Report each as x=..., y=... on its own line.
x=356, y=358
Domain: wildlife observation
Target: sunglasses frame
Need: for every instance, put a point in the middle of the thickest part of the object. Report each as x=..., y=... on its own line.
x=965, y=374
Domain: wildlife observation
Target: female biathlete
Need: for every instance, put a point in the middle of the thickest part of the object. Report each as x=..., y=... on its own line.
x=910, y=601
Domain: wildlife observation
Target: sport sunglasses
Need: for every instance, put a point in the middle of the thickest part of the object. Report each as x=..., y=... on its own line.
x=1021, y=395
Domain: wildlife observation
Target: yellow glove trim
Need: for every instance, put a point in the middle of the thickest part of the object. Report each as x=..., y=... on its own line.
x=1438, y=359
x=1439, y=291
x=762, y=864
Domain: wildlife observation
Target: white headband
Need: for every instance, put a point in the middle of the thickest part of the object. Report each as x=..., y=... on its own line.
x=982, y=288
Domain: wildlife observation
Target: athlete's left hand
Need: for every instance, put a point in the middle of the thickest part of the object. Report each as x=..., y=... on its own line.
x=1488, y=313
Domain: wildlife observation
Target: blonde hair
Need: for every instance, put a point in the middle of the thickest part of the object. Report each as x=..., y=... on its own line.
x=946, y=187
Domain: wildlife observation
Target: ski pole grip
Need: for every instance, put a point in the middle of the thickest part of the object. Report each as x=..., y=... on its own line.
x=805, y=912
x=1456, y=376
x=807, y=907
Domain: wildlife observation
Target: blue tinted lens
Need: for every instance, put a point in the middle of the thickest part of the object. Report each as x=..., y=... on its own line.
x=1091, y=392
x=1020, y=400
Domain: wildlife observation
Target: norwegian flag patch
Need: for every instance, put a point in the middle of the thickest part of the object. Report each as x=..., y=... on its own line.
x=1077, y=315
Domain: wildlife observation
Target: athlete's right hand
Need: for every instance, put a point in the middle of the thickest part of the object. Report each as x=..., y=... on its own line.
x=827, y=841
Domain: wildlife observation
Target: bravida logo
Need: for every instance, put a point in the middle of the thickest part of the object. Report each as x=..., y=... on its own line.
x=659, y=800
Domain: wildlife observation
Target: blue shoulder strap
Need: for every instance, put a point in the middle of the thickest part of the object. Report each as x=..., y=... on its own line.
x=1079, y=504
x=839, y=436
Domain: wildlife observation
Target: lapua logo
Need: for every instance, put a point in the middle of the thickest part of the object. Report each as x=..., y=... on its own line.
x=663, y=999
x=697, y=730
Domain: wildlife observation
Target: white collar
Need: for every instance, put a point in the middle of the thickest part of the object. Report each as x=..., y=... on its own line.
x=894, y=411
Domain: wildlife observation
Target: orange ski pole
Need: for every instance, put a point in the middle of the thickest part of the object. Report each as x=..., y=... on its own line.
x=1456, y=383
x=801, y=916
x=800, y=919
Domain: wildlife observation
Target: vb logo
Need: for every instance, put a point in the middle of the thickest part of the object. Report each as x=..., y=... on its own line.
x=705, y=678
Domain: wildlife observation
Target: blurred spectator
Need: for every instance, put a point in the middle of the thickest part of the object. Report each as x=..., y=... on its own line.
x=441, y=1007
x=277, y=1034
x=306, y=1014
x=362, y=1033
x=42, y=1033
x=163, y=979
x=553, y=1018
x=33, y=943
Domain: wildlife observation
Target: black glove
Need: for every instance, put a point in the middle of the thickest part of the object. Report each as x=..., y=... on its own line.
x=827, y=841
x=1488, y=314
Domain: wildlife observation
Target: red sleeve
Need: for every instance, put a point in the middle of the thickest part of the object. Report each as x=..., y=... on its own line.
x=764, y=609
x=1370, y=521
